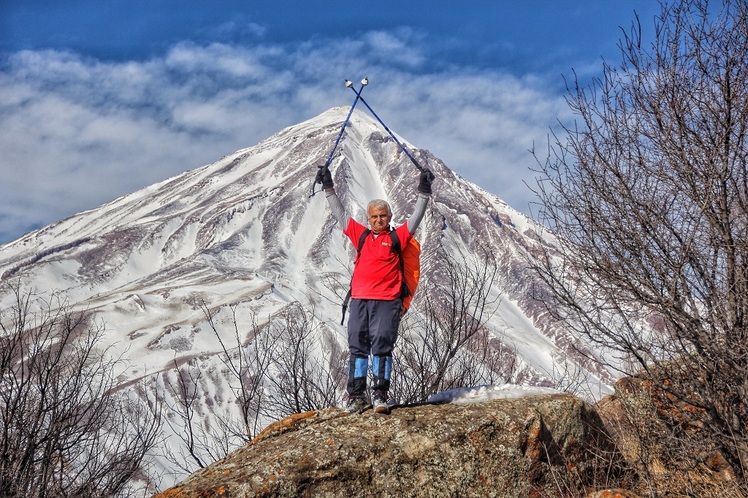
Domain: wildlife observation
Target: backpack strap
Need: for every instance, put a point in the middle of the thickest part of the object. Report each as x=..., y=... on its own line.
x=361, y=241
x=397, y=248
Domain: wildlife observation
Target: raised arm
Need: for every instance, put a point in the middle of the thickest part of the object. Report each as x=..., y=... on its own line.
x=338, y=212
x=424, y=192
x=336, y=207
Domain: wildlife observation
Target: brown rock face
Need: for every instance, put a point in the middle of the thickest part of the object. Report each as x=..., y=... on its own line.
x=670, y=460
x=550, y=445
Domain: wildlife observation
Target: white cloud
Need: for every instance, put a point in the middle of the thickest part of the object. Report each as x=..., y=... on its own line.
x=79, y=132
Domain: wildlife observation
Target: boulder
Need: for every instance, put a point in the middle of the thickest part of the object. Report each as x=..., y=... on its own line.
x=537, y=446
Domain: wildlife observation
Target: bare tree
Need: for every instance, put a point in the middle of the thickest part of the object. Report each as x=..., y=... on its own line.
x=248, y=358
x=65, y=430
x=447, y=345
x=207, y=435
x=198, y=448
x=304, y=376
x=280, y=366
x=275, y=369
x=648, y=193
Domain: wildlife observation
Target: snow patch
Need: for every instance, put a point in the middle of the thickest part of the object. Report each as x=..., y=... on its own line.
x=479, y=394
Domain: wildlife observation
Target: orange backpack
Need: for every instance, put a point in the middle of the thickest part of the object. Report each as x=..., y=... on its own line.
x=410, y=265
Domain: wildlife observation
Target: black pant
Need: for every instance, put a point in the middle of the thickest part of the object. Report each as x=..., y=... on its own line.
x=372, y=330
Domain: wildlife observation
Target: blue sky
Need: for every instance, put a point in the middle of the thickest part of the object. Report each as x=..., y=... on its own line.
x=101, y=98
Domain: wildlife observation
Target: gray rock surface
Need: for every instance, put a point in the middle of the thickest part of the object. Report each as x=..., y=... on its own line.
x=549, y=445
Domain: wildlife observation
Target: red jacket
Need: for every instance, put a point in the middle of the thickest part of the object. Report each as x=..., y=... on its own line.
x=377, y=273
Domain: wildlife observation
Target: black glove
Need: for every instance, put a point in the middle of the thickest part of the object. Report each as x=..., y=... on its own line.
x=324, y=177
x=424, y=184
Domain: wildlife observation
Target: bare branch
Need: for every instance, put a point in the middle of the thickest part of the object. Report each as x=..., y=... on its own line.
x=648, y=192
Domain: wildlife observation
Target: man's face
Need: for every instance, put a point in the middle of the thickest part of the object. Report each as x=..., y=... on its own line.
x=379, y=220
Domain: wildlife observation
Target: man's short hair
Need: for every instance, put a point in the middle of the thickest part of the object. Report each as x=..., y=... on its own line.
x=378, y=204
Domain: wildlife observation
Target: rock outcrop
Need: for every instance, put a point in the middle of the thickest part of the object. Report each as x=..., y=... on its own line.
x=669, y=457
x=549, y=445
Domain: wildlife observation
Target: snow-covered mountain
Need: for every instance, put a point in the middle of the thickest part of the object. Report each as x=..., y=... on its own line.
x=243, y=237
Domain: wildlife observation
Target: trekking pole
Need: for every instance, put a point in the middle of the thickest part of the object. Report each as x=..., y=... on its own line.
x=358, y=95
x=348, y=84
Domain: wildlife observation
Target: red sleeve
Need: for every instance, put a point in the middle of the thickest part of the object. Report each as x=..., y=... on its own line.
x=354, y=230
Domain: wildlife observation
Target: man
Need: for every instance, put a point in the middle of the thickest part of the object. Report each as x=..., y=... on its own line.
x=376, y=302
